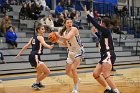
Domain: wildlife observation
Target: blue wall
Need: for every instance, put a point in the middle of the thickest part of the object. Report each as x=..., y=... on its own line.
x=106, y=6
x=109, y=1
x=102, y=6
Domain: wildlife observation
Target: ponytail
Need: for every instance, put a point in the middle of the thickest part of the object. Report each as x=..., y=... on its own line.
x=63, y=30
x=64, y=27
x=107, y=22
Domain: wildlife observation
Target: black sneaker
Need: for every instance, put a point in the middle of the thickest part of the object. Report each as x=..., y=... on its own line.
x=107, y=91
x=40, y=85
x=35, y=86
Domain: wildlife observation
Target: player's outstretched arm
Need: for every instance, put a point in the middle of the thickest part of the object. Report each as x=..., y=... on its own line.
x=24, y=48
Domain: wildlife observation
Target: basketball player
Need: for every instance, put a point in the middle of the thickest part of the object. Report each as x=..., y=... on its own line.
x=108, y=56
x=72, y=41
x=37, y=43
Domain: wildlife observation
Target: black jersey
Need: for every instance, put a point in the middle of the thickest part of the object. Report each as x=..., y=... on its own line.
x=106, y=41
x=37, y=47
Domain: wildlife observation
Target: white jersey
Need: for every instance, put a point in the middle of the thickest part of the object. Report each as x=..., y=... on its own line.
x=74, y=44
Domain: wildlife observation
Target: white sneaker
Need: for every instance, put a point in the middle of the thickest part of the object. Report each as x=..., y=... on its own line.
x=74, y=91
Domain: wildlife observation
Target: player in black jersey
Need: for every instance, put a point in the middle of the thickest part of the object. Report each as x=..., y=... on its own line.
x=108, y=56
x=37, y=43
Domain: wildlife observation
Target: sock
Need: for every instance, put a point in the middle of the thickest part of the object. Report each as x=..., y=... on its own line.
x=107, y=87
x=116, y=90
x=75, y=87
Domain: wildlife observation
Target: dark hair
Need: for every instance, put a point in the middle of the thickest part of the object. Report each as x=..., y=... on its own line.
x=114, y=22
x=64, y=27
x=106, y=21
x=10, y=27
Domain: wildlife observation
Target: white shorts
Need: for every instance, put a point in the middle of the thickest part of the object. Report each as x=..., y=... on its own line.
x=75, y=54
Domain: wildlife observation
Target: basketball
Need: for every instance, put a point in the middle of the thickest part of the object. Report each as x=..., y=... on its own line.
x=53, y=37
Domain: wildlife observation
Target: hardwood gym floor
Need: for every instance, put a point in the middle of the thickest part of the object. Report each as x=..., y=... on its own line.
x=127, y=79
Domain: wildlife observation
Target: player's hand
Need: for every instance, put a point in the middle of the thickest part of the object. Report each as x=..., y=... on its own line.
x=17, y=56
x=51, y=46
x=57, y=34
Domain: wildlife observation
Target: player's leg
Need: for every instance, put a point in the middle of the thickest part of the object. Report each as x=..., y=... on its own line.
x=33, y=59
x=96, y=75
x=75, y=65
x=42, y=71
x=106, y=70
x=70, y=60
x=69, y=70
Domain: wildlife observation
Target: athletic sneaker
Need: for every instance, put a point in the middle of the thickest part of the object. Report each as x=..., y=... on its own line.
x=35, y=86
x=107, y=91
x=74, y=91
x=40, y=85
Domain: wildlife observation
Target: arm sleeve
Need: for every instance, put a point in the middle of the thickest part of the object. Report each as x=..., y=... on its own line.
x=93, y=21
x=97, y=34
x=105, y=32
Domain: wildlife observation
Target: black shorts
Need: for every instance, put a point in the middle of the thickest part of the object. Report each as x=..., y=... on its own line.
x=34, y=59
x=108, y=57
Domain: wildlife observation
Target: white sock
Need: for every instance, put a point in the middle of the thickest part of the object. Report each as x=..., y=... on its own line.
x=108, y=87
x=75, y=87
x=116, y=90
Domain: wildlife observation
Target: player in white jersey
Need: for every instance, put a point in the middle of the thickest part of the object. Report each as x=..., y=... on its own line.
x=71, y=40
